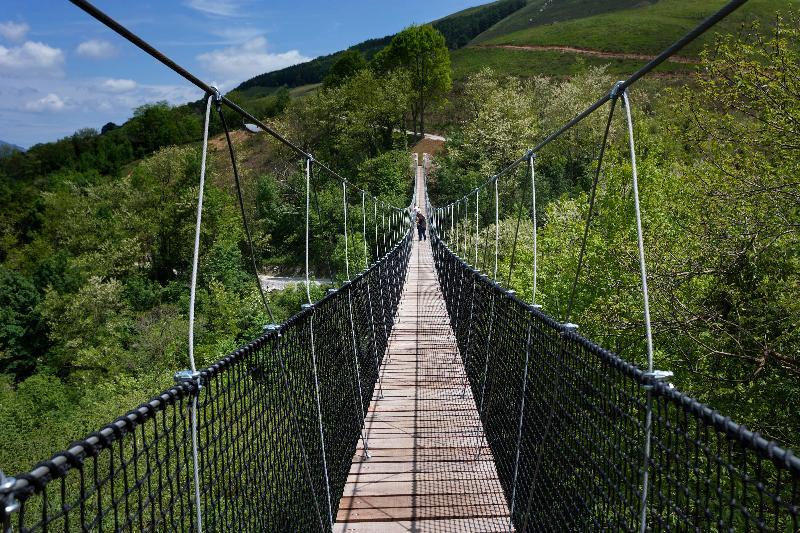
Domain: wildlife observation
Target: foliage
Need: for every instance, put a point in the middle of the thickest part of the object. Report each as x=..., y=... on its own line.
x=500, y=118
x=460, y=28
x=355, y=120
x=349, y=63
x=421, y=51
x=717, y=180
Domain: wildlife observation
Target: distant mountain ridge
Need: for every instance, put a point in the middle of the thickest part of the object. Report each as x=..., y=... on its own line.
x=534, y=37
x=458, y=30
x=7, y=148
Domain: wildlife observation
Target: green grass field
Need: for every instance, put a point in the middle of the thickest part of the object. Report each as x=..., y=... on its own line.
x=539, y=12
x=526, y=63
x=645, y=30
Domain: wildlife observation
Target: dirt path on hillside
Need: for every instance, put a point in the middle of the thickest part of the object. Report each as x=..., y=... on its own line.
x=587, y=52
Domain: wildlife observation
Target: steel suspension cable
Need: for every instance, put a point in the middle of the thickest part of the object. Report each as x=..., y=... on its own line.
x=477, y=224
x=592, y=196
x=496, y=224
x=192, y=295
x=519, y=429
x=362, y=413
x=310, y=305
x=364, y=229
x=535, y=225
x=514, y=245
x=648, y=329
x=249, y=236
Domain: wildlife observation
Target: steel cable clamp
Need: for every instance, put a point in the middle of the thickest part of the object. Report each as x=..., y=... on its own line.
x=656, y=375
x=8, y=503
x=183, y=377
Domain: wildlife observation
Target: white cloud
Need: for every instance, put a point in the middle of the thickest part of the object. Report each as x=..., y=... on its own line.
x=51, y=102
x=118, y=86
x=220, y=8
x=237, y=34
x=14, y=31
x=31, y=57
x=96, y=48
x=248, y=60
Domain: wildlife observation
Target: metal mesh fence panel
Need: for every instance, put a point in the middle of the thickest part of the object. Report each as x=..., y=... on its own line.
x=259, y=444
x=565, y=421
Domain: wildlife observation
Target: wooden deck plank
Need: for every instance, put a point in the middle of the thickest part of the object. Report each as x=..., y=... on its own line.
x=429, y=467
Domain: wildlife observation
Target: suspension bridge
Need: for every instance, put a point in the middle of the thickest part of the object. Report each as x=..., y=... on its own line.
x=421, y=395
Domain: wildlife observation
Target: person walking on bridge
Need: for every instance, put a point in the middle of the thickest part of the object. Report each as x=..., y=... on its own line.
x=422, y=225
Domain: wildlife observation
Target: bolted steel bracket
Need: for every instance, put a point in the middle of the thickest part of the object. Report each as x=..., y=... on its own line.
x=188, y=376
x=657, y=375
x=8, y=503
x=617, y=90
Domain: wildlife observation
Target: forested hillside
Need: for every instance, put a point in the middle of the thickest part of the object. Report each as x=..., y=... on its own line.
x=458, y=29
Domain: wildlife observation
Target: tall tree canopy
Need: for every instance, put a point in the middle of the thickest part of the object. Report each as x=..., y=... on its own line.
x=422, y=51
x=350, y=63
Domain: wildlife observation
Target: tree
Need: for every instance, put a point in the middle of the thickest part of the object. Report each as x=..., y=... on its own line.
x=349, y=63
x=422, y=51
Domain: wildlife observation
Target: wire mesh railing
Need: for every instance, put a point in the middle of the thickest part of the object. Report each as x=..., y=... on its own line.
x=260, y=450
x=565, y=421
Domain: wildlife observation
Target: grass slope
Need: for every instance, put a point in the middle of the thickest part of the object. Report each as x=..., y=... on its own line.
x=539, y=12
x=646, y=29
x=615, y=26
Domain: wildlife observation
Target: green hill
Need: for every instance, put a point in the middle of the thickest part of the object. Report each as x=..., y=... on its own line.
x=528, y=37
x=621, y=33
x=458, y=29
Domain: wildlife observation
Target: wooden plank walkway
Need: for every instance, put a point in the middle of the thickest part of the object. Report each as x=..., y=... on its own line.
x=423, y=434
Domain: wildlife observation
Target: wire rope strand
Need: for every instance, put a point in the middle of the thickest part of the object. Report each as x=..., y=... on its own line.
x=591, y=208
x=309, y=161
x=496, y=224
x=364, y=228
x=477, y=224
x=645, y=296
x=192, y=295
x=346, y=251
x=535, y=226
x=362, y=413
x=247, y=232
x=519, y=427
x=319, y=415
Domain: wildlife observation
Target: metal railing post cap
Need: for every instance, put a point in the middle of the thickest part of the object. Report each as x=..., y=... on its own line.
x=306, y=306
x=569, y=326
x=269, y=328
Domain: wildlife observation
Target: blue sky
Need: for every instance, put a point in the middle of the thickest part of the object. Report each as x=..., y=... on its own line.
x=62, y=71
